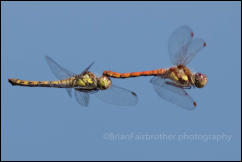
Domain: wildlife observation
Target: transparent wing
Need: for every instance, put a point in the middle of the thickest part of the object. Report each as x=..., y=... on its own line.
x=178, y=44
x=59, y=72
x=118, y=96
x=82, y=97
x=193, y=48
x=87, y=68
x=172, y=93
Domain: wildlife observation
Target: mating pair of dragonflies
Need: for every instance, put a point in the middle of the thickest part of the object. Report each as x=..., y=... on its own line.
x=169, y=84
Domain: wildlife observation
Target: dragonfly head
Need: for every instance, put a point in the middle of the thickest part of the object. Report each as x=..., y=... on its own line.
x=200, y=80
x=104, y=82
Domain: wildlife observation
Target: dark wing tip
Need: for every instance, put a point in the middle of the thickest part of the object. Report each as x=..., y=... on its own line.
x=204, y=44
x=192, y=34
x=133, y=93
x=194, y=104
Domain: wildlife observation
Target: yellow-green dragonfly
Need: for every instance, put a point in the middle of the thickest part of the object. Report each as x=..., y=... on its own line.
x=84, y=84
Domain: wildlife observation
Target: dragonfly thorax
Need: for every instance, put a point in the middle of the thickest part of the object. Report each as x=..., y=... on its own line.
x=180, y=75
x=87, y=80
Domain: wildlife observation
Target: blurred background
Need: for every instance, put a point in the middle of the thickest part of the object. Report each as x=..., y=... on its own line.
x=45, y=124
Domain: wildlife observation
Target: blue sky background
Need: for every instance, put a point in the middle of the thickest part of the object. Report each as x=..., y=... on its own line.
x=45, y=124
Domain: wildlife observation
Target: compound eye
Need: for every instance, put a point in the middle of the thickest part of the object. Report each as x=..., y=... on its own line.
x=200, y=80
x=104, y=82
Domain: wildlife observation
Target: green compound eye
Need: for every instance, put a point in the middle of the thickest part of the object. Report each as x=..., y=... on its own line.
x=104, y=82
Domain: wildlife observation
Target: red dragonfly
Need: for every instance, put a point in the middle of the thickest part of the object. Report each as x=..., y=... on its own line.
x=170, y=84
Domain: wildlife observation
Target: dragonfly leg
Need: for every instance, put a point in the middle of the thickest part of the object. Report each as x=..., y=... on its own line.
x=178, y=85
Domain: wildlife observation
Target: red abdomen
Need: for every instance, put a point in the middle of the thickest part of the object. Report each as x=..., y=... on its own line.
x=134, y=74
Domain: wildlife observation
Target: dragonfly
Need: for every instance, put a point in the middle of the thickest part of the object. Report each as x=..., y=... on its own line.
x=84, y=85
x=171, y=83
